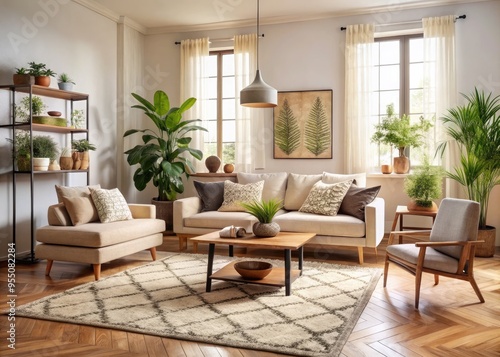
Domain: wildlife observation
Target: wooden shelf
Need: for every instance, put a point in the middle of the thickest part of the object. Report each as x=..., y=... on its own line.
x=51, y=172
x=47, y=92
x=49, y=128
x=275, y=278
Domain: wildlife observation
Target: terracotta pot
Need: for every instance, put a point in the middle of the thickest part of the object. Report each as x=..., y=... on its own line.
x=84, y=156
x=386, y=169
x=165, y=211
x=42, y=81
x=486, y=249
x=20, y=79
x=228, y=168
x=212, y=163
x=66, y=162
x=401, y=165
x=77, y=161
x=412, y=206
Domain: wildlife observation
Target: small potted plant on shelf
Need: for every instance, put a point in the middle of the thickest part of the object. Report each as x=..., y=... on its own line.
x=41, y=73
x=65, y=82
x=21, y=150
x=264, y=211
x=22, y=77
x=22, y=111
x=78, y=119
x=44, y=152
x=400, y=133
x=65, y=160
x=423, y=186
x=81, y=157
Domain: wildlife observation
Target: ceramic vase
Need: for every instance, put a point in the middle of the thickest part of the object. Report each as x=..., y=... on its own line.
x=66, y=163
x=212, y=163
x=265, y=229
x=41, y=163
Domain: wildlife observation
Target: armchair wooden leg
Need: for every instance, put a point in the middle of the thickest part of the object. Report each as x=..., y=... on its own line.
x=153, y=252
x=360, y=254
x=418, y=283
x=386, y=270
x=97, y=271
x=476, y=289
x=436, y=279
x=49, y=267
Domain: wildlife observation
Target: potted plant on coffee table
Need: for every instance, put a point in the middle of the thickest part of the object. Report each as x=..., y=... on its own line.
x=400, y=133
x=264, y=211
x=164, y=156
x=424, y=186
x=475, y=128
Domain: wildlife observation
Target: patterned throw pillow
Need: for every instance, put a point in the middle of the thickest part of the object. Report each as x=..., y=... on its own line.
x=111, y=205
x=235, y=193
x=325, y=198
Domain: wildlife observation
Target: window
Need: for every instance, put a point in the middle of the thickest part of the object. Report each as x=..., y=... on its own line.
x=398, y=79
x=221, y=106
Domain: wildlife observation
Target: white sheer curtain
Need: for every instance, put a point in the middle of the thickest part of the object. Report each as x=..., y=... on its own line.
x=194, y=54
x=358, y=89
x=250, y=138
x=440, y=85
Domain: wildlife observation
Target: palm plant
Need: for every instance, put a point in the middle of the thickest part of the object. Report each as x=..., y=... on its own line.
x=162, y=158
x=264, y=211
x=475, y=127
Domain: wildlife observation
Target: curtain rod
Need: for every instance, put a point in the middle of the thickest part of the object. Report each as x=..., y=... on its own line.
x=405, y=22
x=218, y=40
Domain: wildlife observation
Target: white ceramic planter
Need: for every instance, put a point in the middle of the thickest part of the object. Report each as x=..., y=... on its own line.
x=41, y=163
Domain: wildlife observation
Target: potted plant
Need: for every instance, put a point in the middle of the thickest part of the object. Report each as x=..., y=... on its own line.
x=65, y=82
x=423, y=186
x=475, y=128
x=22, y=77
x=65, y=160
x=163, y=158
x=264, y=211
x=41, y=73
x=78, y=119
x=22, y=111
x=44, y=151
x=21, y=150
x=81, y=158
x=400, y=133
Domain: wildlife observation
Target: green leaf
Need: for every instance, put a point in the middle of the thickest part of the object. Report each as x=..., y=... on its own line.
x=162, y=103
x=317, y=130
x=287, y=131
x=188, y=103
x=144, y=102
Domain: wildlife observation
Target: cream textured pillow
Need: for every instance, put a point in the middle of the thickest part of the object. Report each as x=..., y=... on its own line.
x=274, y=184
x=325, y=198
x=81, y=210
x=111, y=205
x=298, y=187
x=336, y=178
x=234, y=194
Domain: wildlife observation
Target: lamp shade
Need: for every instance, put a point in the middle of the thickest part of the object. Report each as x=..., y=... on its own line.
x=259, y=94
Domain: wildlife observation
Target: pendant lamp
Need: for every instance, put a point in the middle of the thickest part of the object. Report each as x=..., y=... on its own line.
x=258, y=94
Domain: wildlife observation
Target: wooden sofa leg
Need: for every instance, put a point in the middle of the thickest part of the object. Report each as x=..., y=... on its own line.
x=360, y=254
x=153, y=252
x=49, y=267
x=182, y=242
x=97, y=271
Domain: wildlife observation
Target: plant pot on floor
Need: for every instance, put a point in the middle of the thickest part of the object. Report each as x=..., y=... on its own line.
x=165, y=211
x=486, y=249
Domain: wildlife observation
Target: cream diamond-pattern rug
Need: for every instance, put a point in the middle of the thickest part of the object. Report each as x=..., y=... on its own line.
x=167, y=298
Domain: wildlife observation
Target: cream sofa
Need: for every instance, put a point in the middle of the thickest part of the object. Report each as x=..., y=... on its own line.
x=97, y=243
x=292, y=189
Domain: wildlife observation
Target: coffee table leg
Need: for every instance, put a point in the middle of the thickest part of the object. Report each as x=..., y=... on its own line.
x=301, y=258
x=211, y=252
x=288, y=264
x=231, y=251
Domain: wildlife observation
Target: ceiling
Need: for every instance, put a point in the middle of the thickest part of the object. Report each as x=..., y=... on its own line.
x=193, y=15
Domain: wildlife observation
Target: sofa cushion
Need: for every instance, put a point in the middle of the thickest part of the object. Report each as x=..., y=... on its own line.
x=339, y=225
x=356, y=199
x=57, y=215
x=211, y=194
x=336, y=178
x=111, y=205
x=274, y=184
x=298, y=187
x=234, y=193
x=97, y=234
x=73, y=191
x=217, y=220
x=81, y=210
x=325, y=198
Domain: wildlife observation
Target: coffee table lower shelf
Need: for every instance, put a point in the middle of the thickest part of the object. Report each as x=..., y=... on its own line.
x=275, y=278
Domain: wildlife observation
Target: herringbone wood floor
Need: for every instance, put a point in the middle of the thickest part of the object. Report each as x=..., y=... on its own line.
x=450, y=322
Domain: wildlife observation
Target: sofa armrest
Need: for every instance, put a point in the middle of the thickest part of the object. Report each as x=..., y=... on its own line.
x=183, y=208
x=142, y=210
x=374, y=221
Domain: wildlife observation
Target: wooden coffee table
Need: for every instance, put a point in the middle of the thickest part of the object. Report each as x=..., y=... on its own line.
x=285, y=241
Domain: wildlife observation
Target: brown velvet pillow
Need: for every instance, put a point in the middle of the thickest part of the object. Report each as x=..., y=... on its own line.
x=356, y=199
x=81, y=210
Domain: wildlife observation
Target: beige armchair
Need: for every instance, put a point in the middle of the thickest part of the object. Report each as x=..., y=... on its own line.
x=450, y=251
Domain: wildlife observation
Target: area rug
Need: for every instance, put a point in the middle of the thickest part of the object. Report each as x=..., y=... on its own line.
x=167, y=298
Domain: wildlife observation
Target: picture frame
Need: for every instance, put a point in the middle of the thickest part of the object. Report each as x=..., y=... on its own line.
x=302, y=125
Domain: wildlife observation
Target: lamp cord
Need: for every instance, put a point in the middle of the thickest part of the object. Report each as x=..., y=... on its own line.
x=258, y=23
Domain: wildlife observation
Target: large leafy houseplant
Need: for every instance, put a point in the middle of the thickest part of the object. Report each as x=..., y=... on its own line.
x=475, y=128
x=163, y=158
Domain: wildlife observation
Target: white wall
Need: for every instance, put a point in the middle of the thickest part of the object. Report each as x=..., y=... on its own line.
x=68, y=38
x=309, y=55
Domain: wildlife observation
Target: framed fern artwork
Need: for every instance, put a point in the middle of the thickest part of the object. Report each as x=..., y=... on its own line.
x=303, y=125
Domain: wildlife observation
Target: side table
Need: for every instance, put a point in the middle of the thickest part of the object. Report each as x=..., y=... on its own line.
x=401, y=211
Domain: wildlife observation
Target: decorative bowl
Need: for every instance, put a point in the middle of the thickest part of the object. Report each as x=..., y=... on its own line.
x=253, y=270
x=54, y=113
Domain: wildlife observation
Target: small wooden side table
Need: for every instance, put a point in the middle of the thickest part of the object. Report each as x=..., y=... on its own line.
x=401, y=211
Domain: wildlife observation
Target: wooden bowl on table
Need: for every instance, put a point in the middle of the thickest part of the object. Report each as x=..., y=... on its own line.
x=253, y=270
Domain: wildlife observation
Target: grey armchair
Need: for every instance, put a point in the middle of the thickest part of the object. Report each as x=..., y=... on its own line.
x=450, y=251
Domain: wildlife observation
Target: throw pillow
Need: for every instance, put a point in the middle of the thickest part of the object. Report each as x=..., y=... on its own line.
x=356, y=199
x=111, y=205
x=336, y=178
x=235, y=193
x=298, y=187
x=325, y=198
x=73, y=191
x=81, y=210
x=57, y=215
x=211, y=194
x=274, y=184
